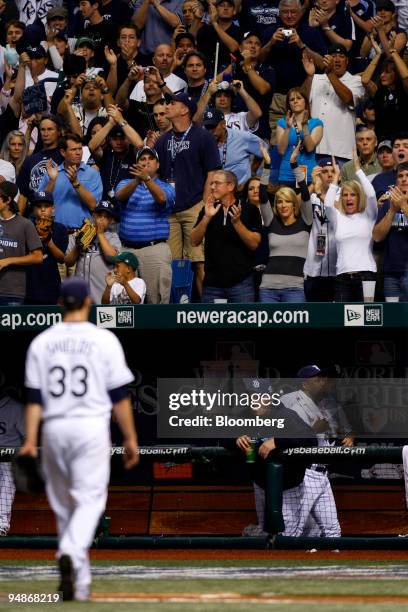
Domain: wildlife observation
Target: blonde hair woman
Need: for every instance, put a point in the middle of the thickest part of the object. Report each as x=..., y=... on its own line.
x=14, y=149
x=353, y=212
x=288, y=224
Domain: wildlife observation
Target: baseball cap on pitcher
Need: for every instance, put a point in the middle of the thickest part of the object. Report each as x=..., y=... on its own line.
x=74, y=291
x=310, y=371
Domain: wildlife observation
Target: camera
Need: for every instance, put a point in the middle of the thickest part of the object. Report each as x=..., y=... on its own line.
x=287, y=33
x=148, y=70
x=90, y=77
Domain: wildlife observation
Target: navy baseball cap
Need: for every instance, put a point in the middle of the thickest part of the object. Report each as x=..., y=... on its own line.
x=42, y=196
x=36, y=52
x=74, y=290
x=117, y=132
x=184, y=35
x=310, y=371
x=385, y=5
x=128, y=258
x=186, y=100
x=213, y=117
x=339, y=49
x=249, y=35
x=108, y=207
x=385, y=144
x=325, y=162
x=149, y=150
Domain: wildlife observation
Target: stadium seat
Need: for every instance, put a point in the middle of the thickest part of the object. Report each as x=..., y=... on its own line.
x=182, y=281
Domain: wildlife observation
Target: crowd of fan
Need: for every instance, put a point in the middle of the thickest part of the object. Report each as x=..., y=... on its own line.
x=267, y=142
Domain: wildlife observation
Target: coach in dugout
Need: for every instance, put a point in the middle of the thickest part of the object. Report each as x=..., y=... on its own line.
x=232, y=234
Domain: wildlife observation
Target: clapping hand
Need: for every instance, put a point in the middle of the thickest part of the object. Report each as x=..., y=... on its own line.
x=295, y=152
x=139, y=171
x=234, y=212
x=52, y=170
x=110, y=278
x=72, y=173
x=398, y=200
x=356, y=160
x=211, y=208
x=289, y=119
x=305, y=118
x=308, y=64
x=328, y=63
x=316, y=178
x=337, y=172
x=265, y=153
x=375, y=44
x=110, y=56
x=114, y=113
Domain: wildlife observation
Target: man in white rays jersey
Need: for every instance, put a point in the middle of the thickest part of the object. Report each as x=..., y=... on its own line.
x=75, y=374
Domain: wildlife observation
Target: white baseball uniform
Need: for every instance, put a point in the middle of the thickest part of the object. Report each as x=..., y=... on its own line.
x=314, y=496
x=75, y=365
x=11, y=435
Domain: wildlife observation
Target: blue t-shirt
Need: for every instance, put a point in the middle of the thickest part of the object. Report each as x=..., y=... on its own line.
x=186, y=158
x=142, y=219
x=44, y=281
x=305, y=158
x=257, y=15
x=33, y=170
x=396, y=243
x=237, y=150
x=382, y=182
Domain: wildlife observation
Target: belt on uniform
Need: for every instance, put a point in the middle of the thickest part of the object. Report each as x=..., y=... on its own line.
x=141, y=245
x=319, y=468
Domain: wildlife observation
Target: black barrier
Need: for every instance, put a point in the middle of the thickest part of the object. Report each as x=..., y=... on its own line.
x=182, y=454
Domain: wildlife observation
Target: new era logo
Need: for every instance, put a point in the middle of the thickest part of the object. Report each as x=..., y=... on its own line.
x=104, y=317
x=352, y=315
x=360, y=315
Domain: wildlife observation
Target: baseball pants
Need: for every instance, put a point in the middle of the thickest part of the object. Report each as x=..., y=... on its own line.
x=76, y=465
x=318, y=501
x=7, y=492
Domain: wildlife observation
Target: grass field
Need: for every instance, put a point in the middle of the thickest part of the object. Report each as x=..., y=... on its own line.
x=229, y=585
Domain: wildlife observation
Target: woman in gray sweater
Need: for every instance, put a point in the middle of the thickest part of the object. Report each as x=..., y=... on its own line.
x=288, y=224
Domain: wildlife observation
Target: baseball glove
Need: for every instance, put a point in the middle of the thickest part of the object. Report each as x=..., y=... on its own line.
x=44, y=228
x=27, y=475
x=85, y=235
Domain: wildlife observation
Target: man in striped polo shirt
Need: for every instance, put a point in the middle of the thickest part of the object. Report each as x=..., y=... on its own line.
x=144, y=227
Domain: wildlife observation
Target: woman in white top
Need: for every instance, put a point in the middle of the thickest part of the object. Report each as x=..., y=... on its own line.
x=353, y=212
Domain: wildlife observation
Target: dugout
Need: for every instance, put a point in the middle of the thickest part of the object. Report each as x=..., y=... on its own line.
x=213, y=496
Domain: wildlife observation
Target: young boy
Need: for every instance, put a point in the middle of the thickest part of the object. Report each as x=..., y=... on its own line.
x=122, y=285
x=93, y=263
x=43, y=282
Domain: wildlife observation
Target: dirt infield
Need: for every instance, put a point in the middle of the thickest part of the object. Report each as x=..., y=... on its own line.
x=239, y=598
x=209, y=555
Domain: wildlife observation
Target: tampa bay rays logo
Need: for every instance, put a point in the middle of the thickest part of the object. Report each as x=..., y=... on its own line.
x=176, y=146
